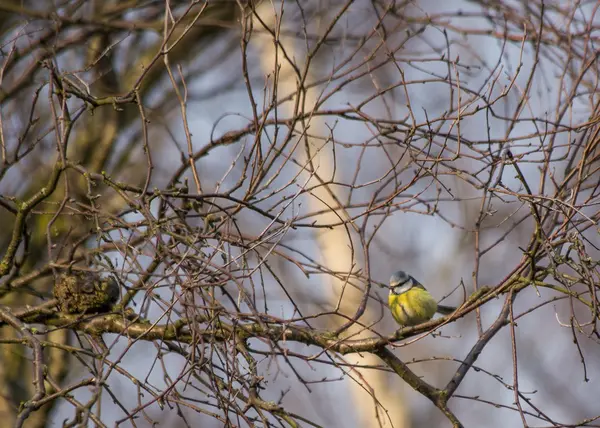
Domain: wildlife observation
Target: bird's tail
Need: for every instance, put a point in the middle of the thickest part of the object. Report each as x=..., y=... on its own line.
x=445, y=310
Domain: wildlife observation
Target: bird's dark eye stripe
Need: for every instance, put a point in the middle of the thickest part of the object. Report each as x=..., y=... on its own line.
x=400, y=284
x=403, y=288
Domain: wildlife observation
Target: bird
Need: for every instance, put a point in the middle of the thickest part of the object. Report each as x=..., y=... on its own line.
x=410, y=303
x=85, y=292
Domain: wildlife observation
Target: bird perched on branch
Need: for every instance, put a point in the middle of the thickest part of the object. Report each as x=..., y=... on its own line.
x=85, y=292
x=410, y=302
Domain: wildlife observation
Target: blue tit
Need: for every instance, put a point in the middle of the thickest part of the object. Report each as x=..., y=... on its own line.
x=410, y=302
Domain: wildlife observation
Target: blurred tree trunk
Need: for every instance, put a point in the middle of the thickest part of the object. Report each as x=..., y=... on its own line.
x=93, y=144
x=376, y=401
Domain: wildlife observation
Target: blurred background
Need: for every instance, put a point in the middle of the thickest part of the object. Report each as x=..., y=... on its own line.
x=252, y=173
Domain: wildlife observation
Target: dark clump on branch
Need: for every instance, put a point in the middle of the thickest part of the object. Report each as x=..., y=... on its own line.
x=85, y=292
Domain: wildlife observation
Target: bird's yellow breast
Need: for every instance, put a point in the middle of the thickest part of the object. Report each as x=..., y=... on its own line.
x=412, y=307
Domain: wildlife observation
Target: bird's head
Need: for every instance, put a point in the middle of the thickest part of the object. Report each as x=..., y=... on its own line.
x=401, y=282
